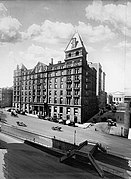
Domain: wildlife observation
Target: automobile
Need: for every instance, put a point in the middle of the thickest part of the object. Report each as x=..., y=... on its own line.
x=13, y=113
x=58, y=128
x=21, y=124
x=9, y=110
x=22, y=112
x=60, y=121
x=111, y=122
x=68, y=122
x=3, y=121
x=54, y=119
x=71, y=124
x=41, y=116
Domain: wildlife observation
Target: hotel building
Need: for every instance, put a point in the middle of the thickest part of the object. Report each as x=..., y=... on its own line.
x=65, y=90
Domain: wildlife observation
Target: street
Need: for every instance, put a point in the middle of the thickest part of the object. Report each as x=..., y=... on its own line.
x=114, y=144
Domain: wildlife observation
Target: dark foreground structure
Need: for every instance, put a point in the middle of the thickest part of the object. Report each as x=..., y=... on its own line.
x=87, y=156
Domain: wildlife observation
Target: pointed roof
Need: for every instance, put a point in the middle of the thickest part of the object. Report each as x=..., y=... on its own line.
x=75, y=43
x=22, y=67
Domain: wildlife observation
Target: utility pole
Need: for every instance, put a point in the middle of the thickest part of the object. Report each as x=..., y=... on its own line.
x=74, y=137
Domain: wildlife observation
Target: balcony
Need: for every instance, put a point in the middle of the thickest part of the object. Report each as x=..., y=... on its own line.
x=69, y=96
x=69, y=81
x=77, y=88
x=69, y=89
x=76, y=95
x=77, y=80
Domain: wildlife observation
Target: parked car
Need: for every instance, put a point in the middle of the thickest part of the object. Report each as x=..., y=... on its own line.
x=22, y=112
x=60, y=121
x=41, y=116
x=71, y=123
x=58, y=128
x=13, y=113
x=9, y=110
x=21, y=124
x=111, y=122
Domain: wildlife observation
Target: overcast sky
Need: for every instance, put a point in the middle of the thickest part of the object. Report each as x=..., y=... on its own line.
x=32, y=31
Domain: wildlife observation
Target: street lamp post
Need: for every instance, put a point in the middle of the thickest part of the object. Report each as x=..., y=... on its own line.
x=74, y=137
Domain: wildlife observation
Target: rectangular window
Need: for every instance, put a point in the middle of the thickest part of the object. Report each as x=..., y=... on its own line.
x=68, y=86
x=61, y=92
x=50, y=74
x=55, y=92
x=69, y=78
x=61, y=100
x=61, y=85
x=55, y=80
x=49, y=86
x=55, y=85
x=76, y=101
x=49, y=92
x=76, y=92
x=55, y=109
x=49, y=99
x=69, y=72
x=61, y=109
x=67, y=110
x=55, y=100
x=77, y=70
x=68, y=92
x=76, y=77
x=68, y=100
x=75, y=111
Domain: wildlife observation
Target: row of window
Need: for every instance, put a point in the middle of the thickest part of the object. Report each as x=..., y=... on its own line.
x=68, y=100
x=43, y=75
x=68, y=110
x=40, y=99
x=76, y=77
x=117, y=99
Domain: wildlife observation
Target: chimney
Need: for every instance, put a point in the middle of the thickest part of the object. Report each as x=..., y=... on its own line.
x=51, y=61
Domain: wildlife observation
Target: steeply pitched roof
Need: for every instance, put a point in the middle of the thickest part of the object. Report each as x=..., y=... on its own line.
x=75, y=42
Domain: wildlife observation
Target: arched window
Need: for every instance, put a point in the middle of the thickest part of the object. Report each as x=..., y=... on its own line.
x=77, y=53
x=69, y=55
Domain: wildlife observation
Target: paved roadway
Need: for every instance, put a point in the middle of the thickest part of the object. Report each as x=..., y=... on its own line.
x=115, y=144
x=18, y=160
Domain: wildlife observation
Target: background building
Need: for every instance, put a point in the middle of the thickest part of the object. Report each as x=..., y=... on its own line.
x=6, y=97
x=100, y=85
x=64, y=90
x=118, y=97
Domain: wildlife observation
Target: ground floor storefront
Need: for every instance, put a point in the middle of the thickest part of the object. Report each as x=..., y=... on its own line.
x=72, y=113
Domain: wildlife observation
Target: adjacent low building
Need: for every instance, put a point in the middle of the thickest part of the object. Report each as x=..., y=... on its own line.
x=6, y=97
x=64, y=90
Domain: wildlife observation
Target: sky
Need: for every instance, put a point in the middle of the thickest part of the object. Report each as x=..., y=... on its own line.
x=33, y=31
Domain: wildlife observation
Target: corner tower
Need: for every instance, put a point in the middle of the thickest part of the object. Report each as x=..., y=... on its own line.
x=75, y=48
